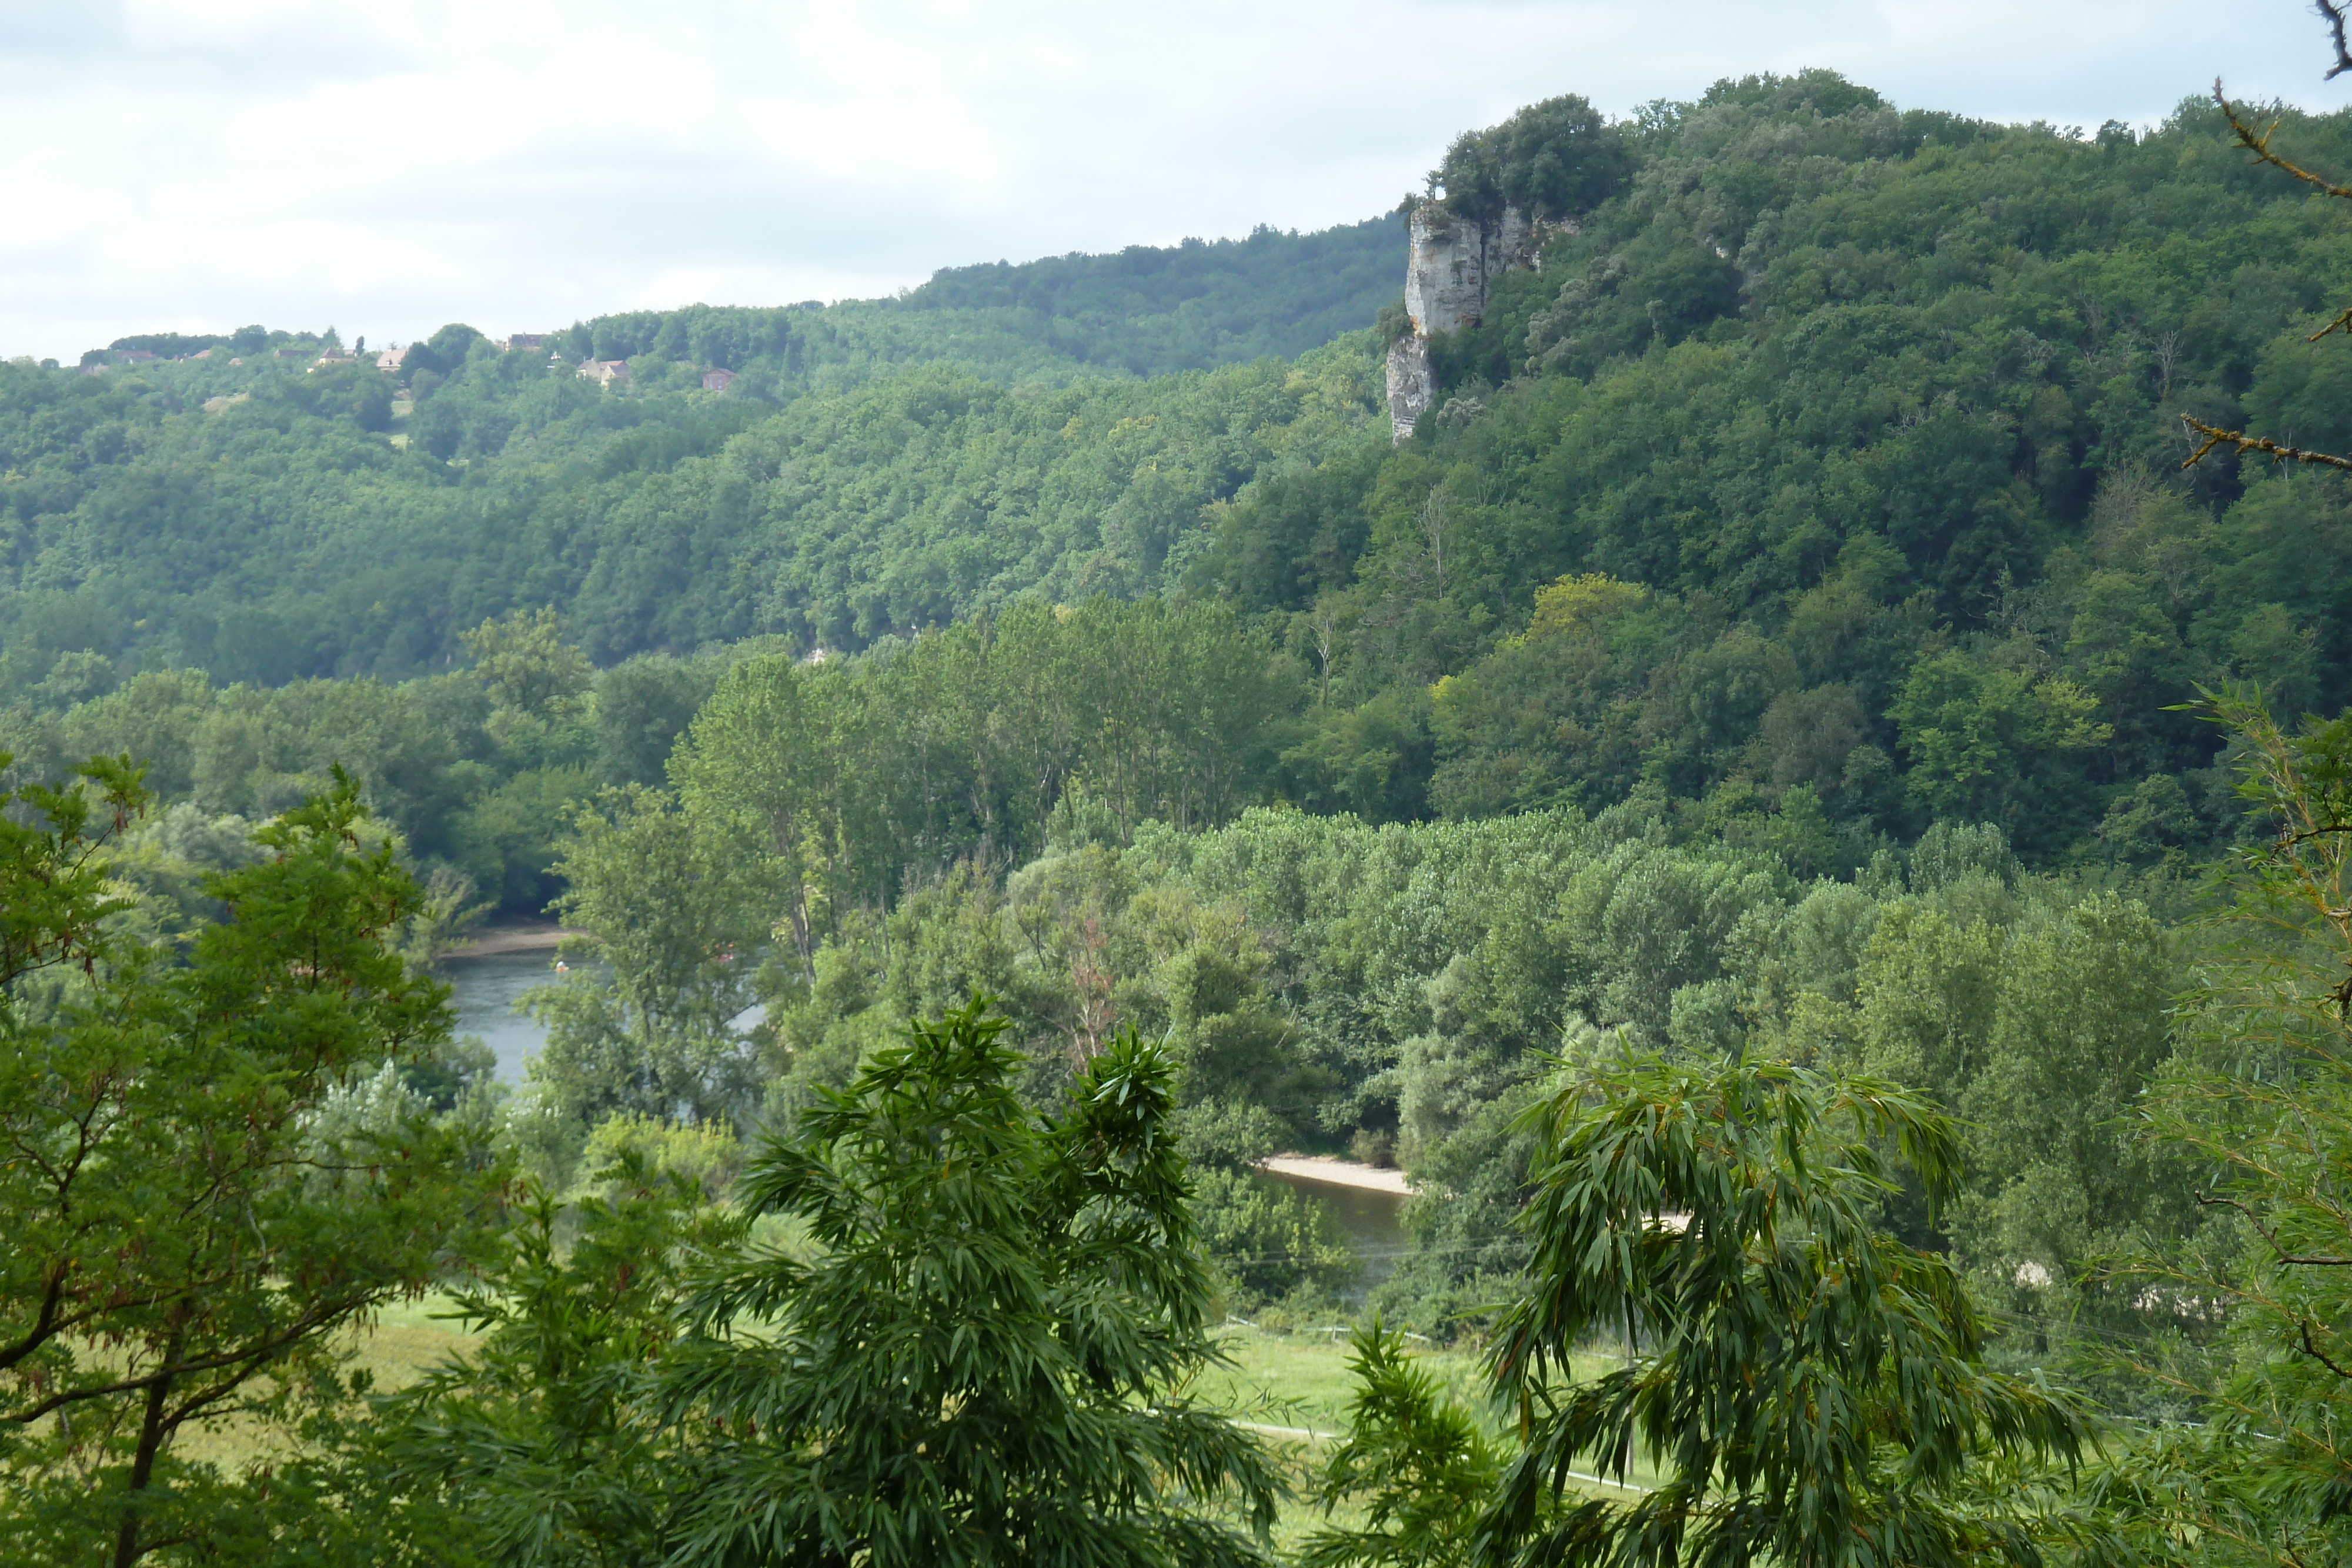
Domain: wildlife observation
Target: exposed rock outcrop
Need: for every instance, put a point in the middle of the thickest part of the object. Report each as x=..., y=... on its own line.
x=1449, y=269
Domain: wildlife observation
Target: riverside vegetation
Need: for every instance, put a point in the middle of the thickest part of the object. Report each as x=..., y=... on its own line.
x=1731, y=804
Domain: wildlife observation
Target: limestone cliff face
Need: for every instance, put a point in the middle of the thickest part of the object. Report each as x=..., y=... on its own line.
x=1450, y=267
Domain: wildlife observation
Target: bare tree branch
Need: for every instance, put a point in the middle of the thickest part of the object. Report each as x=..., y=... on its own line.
x=2258, y=142
x=2313, y=1261
x=2319, y=1355
x=2216, y=436
x=2334, y=13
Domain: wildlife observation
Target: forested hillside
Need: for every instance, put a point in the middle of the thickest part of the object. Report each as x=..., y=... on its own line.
x=1835, y=454
x=1149, y=310
x=1731, y=803
x=1869, y=422
x=265, y=518
x=276, y=537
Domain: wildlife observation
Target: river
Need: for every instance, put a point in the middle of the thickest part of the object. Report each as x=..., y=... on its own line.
x=1372, y=1221
x=487, y=987
x=486, y=990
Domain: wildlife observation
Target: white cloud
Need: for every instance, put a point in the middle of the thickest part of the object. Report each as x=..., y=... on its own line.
x=518, y=163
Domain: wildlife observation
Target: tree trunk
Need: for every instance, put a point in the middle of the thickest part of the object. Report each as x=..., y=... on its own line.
x=142, y=1466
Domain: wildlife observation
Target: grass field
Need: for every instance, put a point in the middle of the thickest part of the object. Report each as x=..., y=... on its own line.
x=1298, y=1382
x=1301, y=1379
x=1295, y=1380
x=410, y=1338
x=407, y=1341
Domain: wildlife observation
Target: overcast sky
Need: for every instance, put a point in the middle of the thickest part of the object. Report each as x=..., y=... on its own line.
x=196, y=164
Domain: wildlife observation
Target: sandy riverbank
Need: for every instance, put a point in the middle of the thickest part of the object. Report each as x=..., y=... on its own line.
x=1337, y=1172
x=510, y=939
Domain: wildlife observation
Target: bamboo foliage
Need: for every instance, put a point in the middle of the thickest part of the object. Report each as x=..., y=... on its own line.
x=1811, y=1390
x=2260, y=1097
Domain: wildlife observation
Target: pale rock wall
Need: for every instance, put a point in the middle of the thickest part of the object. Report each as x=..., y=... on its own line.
x=1408, y=384
x=1450, y=265
x=1513, y=243
x=1445, y=270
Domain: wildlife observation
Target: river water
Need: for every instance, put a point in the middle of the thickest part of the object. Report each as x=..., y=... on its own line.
x=1373, y=1222
x=486, y=988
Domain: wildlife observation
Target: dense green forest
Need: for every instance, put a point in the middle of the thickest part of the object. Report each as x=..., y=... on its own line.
x=1150, y=310
x=267, y=519
x=1731, y=804
x=1871, y=414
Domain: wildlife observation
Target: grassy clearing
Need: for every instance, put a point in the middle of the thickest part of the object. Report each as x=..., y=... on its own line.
x=1282, y=1380
x=1300, y=1381
x=407, y=1341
